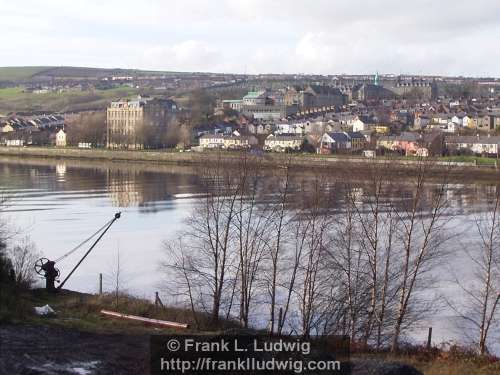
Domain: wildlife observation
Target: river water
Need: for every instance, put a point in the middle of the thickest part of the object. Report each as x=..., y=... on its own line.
x=58, y=204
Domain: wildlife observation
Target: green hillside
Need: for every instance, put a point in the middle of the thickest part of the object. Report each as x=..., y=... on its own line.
x=15, y=73
x=22, y=73
x=17, y=100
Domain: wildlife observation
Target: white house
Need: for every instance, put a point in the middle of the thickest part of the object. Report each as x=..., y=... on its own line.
x=457, y=120
x=14, y=142
x=259, y=128
x=61, y=138
x=286, y=128
x=227, y=141
x=281, y=143
x=452, y=127
x=358, y=126
x=467, y=122
x=331, y=142
x=477, y=144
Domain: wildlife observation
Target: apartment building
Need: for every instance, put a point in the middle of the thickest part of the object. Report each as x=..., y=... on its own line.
x=140, y=123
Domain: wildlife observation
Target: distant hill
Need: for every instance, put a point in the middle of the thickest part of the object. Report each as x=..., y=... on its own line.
x=27, y=73
x=16, y=73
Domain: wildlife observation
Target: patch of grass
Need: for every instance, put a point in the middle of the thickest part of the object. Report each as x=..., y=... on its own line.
x=471, y=159
x=10, y=92
x=13, y=308
x=453, y=361
x=82, y=311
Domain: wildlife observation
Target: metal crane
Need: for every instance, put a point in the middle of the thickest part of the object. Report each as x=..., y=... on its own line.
x=46, y=268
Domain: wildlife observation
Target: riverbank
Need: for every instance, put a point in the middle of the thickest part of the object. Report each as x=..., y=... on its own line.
x=462, y=168
x=77, y=339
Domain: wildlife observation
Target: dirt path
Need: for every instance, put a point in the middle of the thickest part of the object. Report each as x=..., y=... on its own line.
x=50, y=350
x=56, y=350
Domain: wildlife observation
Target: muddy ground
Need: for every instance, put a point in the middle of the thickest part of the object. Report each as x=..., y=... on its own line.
x=52, y=350
x=57, y=350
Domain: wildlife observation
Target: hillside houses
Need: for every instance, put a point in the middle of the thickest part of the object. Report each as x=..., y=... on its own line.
x=369, y=123
x=49, y=122
x=229, y=142
x=282, y=143
x=420, y=144
x=34, y=130
x=342, y=142
x=478, y=145
x=488, y=121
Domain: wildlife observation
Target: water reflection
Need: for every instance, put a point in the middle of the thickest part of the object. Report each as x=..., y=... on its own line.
x=60, y=171
x=150, y=191
x=153, y=189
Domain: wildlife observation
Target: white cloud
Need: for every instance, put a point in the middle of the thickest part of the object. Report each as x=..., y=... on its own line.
x=190, y=55
x=319, y=36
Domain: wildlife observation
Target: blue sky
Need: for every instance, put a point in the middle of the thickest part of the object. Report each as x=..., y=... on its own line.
x=256, y=36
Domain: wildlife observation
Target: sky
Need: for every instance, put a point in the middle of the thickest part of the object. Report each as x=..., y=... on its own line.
x=445, y=37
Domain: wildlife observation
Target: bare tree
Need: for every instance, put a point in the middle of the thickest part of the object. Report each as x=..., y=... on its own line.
x=421, y=235
x=375, y=219
x=117, y=278
x=22, y=257
x=312, y=276
x=490, y=270
x=87, y=127
x=482, y=293
x=209, y=240
x=252, y=235
x=278, y=225
x=349, y=263
x=179, y=261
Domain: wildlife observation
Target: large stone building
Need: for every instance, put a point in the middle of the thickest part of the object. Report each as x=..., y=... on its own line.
x=314, y=96
x=269, y=111
x=140, y=123
x=413, y=88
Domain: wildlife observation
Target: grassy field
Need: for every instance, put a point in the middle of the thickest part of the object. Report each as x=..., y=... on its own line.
x=459, y=159
x=82, y=311
x=14, y=73
x=471, y=159
x=14, y=99
x=10, y=92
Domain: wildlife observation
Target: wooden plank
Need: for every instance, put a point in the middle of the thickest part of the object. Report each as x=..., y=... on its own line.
x=164, y=323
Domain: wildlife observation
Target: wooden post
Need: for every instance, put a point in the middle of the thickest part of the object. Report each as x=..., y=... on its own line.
x=429, y=339
x=100, y=283
x=158, y=301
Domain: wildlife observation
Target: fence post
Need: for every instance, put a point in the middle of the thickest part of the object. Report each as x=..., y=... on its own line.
x=158, y=301
x=100, y=283
x=429, y=339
